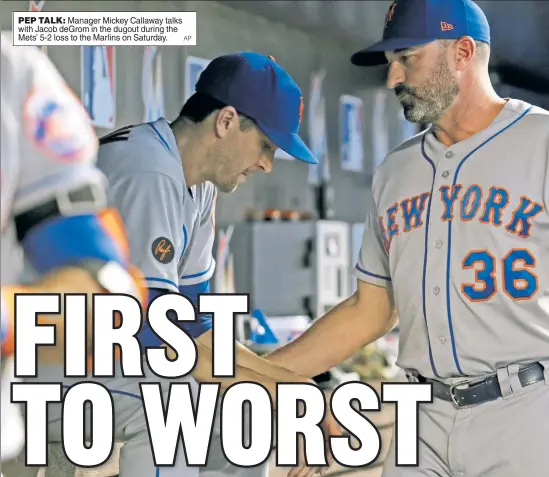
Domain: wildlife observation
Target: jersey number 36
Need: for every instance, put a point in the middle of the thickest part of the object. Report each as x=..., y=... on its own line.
x=517, y=281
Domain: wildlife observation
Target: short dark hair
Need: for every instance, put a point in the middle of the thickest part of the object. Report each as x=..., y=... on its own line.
x=199, y=106
x=483, y=48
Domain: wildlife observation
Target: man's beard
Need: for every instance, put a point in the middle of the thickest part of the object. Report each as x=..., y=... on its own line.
x=427, y=103
x=228, y=183
x=227, y=177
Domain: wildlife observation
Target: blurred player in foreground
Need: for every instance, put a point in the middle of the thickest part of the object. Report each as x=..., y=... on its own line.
x=163, y=179
x=53, y=214
x=458, y=243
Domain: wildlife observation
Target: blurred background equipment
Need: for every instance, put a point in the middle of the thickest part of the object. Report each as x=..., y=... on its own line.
x=377, y=361
x=292, y=267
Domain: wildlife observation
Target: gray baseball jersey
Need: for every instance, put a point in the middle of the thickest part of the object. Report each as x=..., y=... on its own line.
x=461, y=236
x=170, y=226
x=48, y=144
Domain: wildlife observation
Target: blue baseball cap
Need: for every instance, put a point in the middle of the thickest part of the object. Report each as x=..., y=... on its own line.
x=255, y=85
x=411, y=23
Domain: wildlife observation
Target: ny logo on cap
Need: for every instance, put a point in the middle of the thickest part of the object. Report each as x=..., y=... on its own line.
x=390, y=13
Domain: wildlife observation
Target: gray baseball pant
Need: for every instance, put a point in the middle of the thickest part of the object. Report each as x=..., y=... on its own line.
x=508, y=437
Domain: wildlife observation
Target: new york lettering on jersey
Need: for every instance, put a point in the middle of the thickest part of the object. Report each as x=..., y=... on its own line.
x=462, y=235
x=409, y=214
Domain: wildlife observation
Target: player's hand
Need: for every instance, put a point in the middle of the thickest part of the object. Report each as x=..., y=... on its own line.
x=330, y=428
x=302, y=470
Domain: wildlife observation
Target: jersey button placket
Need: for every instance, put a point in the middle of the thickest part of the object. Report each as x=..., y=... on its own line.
x=435, y=278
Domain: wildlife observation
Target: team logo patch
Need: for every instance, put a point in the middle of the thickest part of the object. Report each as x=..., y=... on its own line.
x=162, y=250
x=58, y=125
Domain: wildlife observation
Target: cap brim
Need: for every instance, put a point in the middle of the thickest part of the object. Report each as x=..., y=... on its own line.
x=375, y=54
x=290, y=143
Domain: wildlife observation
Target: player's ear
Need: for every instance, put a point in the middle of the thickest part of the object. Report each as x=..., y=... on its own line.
x=464, y=51
x=226, y=119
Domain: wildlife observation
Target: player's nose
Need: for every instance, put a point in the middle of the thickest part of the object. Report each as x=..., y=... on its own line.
x=395, y=75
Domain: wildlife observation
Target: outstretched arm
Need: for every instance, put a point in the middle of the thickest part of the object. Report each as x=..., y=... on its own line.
x=249, y=367
x=351, y=325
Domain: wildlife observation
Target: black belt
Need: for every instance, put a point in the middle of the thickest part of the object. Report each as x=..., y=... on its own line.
x=470, y=394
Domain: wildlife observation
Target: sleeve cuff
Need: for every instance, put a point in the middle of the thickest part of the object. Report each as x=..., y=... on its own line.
x=370, y=277
x=194, y=278
x=158, y=282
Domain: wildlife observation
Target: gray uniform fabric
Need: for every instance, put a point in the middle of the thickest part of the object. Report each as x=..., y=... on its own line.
x=48, y=147
x=460, y=235
x=147, y=185
x=171, y=234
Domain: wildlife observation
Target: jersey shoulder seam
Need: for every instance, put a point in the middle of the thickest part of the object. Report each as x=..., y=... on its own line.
x=154, y=135
x=537, y=111
x=410, y=142
x=414, y=141
x=157, y=173
x=134, y=160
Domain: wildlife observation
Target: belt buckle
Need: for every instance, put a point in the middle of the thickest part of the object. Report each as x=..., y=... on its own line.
x=454, y=386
